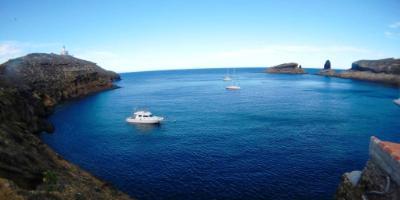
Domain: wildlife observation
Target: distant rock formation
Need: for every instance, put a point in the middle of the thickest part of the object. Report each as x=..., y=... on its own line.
x=386, y=71
x=327, y=65
x=388, y=66
x=379, y=180
x=286, y=68
x=327, y=71
x=30, y=87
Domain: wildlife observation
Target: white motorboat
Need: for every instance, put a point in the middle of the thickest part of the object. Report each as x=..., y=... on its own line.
x=144, y=117
x=397, y=101
x=232, y=87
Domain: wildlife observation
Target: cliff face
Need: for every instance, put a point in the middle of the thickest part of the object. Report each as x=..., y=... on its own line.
x=388, y=66
x=386, y=71
x=30, y=87
x=379, y=180
x=286, y=68
x=61, y=77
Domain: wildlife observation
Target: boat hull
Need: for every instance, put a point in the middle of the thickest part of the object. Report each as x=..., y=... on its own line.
x=397, y=101
x=144, y=121
x=233, y=87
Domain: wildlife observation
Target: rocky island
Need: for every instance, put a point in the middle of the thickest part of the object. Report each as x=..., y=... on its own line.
x=386, y=71
x=30, y=88
x=286, y=68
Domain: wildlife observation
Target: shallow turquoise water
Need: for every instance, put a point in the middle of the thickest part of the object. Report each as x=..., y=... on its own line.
x=280, y=137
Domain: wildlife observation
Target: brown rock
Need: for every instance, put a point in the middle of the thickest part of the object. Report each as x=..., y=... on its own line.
x=30, y=87
x=286, y=68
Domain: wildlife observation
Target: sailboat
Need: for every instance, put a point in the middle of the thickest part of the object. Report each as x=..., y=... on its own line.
x=233, y=86
x=227, y=77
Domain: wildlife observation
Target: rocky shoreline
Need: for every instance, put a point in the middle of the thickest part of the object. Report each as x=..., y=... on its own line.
x=30, y=88
x=384, y=71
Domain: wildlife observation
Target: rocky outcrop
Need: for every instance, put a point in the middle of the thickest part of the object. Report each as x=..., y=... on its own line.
x=327, y=71
x=379, y=180
x=385, y=71
x=286, y=68
x=30, y=87
x=384, y=78
x=327, y=65
x=388, y=66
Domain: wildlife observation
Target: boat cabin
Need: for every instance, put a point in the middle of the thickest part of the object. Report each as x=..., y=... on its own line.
x=142, y=114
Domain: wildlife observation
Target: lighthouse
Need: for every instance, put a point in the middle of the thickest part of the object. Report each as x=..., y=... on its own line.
x=64, y=52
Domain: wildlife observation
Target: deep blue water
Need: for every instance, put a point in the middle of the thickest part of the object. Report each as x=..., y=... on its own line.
x=280, y=137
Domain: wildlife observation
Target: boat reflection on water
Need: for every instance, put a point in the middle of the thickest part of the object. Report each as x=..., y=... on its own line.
x=146, y=128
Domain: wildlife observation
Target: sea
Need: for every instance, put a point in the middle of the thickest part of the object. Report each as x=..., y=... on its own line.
x=279, y=137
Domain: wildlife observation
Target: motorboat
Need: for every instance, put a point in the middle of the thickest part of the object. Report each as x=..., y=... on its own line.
x=144, y=117
x=397, y=101
x=232, y=87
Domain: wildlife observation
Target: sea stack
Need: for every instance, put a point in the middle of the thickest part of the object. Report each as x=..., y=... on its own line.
x=327, y=65
x=30, y=87
x=286, y=68
x=327, y=71
x=379, y=180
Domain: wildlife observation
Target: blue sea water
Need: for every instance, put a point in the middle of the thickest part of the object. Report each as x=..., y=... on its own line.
x=279, y=137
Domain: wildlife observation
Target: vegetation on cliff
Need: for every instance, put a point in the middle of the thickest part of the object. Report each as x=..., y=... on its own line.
x=30, y=87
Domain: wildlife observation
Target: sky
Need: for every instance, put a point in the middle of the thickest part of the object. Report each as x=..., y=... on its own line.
x=142, y=35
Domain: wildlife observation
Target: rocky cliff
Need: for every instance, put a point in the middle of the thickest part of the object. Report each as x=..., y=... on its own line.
x=388, y=66
x=386, y=71
x=30, y=87
x=379, y=180
x=286, y=68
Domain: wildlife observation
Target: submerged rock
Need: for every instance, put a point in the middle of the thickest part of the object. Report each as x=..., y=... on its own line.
x=30, y=87
x=286, y=68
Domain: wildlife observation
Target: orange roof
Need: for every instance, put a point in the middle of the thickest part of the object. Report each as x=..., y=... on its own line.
x=392, y=148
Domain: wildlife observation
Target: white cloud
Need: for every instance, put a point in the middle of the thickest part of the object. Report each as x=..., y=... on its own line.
x=9, y=50
x=127, y=60
x=13, y=49
x=395, y=25
x=394, y=32
x=106, y=59
x=306, y=55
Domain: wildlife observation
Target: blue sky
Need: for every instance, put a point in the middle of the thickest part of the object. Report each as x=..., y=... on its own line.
x=173, y=34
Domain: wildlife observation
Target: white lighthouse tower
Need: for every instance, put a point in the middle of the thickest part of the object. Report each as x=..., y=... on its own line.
x=64, y=52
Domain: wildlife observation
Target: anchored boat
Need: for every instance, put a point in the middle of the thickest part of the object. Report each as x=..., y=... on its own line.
x=397, y=101
x=144, y=117
x=233, y=85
